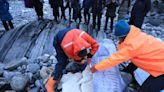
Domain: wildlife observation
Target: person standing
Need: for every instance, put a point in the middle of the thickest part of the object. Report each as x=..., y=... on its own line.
x=55, y=6
x=124, y=8
x=5, y=16
x=76, y=11
x=69, y=6
x=139, y=11
x=87, y=7
x=111, y=12
x=38, y=5
x=62, y=8
x=97, y=13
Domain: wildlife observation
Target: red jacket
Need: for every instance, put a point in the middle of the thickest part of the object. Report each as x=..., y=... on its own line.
x=143, y=50
x=75, y=41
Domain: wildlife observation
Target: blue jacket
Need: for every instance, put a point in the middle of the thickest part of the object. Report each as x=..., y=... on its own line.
x=4, y=11
x=61, y=56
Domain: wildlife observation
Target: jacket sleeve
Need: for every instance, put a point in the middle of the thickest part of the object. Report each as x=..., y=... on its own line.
x=93, y=42
x=115, y=59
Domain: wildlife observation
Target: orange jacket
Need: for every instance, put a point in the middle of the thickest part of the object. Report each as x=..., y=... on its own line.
x=143, y=50
x=77, y=40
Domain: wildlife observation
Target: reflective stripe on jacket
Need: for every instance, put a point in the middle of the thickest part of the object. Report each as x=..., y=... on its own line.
x=75, y=41
x=143, y=50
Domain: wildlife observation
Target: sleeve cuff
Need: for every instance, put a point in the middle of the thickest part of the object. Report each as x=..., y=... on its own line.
x=89, y=55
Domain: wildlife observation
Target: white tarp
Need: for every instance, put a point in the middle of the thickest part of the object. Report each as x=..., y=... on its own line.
x=108, y=80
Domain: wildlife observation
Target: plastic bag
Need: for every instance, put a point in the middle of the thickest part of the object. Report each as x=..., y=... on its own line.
x=108, y=80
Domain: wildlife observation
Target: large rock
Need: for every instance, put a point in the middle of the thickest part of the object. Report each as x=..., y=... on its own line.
x=18, y=83
x=2, y=65
x=45, y=72
x=8, y=75
x=1, y=72
x=33, y=68
x=16, y=63
x=33, y=90
x=30, y=76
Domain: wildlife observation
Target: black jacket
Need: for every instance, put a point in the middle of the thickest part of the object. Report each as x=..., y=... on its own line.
x=111, y=9
x=141, y=8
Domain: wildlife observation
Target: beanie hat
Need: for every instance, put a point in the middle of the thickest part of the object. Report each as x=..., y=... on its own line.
x=122, y=28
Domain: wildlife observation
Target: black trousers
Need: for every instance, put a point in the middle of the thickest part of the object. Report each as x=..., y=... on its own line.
x=56, y=13
x=7, y=24
x=86, y=16
x=111, y=23
x=97, y=17
x=153, y=84
x=62, y=11
x=39, y=9
x=70, y=9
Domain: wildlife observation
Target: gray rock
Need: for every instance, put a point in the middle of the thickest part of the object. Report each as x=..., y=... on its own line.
x=2, y=65
x=1, y=72
x=19, y=68
x=16, y=63
x=45, y=72
x=19, y=82
x=53, y=59
x=127, y=77
x=33, y=90
x=24, y=67
x=53, y=65
x=38, y=84
x=29, y=75
x=32, y=61
x=155, y=21
x=33, y=68
x=44, y=58
x=10, y=91
x=8, y=75
x=44, y=64
x=3, y=82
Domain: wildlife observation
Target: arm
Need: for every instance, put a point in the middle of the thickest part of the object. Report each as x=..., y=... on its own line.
x=93, y=42
x=117, y=58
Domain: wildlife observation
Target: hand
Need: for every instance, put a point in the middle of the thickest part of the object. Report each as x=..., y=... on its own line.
x=88, y=60
x=50, y=85
x=93, y=69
